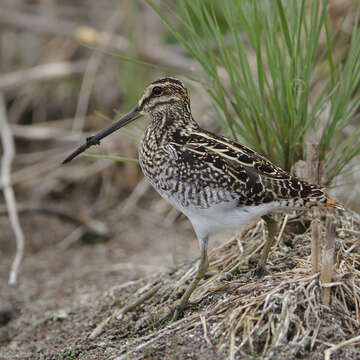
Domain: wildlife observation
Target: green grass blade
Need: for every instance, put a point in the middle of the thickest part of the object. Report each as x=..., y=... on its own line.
x=113, y=158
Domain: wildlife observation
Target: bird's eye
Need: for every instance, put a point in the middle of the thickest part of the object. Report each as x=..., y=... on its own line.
x=157, y=90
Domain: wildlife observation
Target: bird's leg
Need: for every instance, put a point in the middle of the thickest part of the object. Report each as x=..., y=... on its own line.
x=203, y=266
x=272, y=230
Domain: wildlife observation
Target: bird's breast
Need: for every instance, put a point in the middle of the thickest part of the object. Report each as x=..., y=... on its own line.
x=185, y=184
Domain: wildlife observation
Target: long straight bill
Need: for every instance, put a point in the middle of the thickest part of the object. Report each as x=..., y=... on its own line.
x=95, y=140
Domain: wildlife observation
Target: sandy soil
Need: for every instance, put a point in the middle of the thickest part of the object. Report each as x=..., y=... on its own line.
x=52, y=306
x=69, y=289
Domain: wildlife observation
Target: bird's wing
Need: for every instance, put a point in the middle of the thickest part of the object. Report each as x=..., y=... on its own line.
x=253, y=175
x=237, y=155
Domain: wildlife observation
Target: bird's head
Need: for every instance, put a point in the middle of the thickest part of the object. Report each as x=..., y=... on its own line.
x=159, y=96
x=163, y=94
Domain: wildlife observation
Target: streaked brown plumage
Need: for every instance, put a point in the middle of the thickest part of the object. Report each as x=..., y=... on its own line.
x=215, y=181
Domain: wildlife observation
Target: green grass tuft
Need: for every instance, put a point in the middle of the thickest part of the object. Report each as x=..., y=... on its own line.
x=113, y=158
x=261, y=62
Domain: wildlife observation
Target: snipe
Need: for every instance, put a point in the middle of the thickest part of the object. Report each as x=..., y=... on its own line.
x=216, y=182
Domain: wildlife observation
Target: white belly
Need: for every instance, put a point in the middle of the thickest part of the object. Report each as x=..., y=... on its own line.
x=225, y=216
x=220, y=217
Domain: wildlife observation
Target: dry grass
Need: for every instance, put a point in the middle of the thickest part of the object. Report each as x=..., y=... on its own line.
x=280, y=316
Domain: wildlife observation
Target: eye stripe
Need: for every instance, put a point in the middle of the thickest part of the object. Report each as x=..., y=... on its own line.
x=168, y=80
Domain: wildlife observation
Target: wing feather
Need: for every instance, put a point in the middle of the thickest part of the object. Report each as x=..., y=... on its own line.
x=253, y=175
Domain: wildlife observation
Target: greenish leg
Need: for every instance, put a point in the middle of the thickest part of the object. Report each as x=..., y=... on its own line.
x=272, y=230
x=203, y=266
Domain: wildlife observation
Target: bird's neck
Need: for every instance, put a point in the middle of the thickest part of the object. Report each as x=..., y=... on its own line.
x=168, y=122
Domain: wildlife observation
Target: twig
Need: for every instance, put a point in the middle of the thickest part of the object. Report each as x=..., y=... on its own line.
x=281, y=230
x=328, y=257
x=92, y=37
x=37, y=23
x=72, y=238
x=100, y=328
x=8, y=155
x=93, y=226
x=120, y=312
x=128, y=205
x=338, y=346
x=36, y=170
x=90, y=75
x=150, y=339
x=203, y=321
x=50, y=167
x=313, y=173
x=41, y=72
x=315, y=246
x=46, y=133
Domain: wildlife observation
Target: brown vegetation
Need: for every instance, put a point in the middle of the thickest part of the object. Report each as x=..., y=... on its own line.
x=94, y=278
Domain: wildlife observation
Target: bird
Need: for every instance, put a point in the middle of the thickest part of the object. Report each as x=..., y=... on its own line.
x=216, y=182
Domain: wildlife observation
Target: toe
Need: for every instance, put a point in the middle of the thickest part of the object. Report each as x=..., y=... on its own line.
x=259, y=271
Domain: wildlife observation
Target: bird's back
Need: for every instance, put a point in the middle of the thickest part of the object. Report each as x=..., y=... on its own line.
x=199, y=169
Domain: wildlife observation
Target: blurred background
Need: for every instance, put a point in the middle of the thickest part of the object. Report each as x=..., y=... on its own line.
x=66, y=69
x=91, y=224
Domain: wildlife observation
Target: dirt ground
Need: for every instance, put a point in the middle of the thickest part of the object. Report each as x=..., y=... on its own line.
x=65, y=293
x=59, y=287
x=104, y=257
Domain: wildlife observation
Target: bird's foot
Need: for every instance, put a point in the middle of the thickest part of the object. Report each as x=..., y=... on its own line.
x=258, y=272
x=237, y=272
x=176, y=313
x=157, y=324
x=228, y=275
